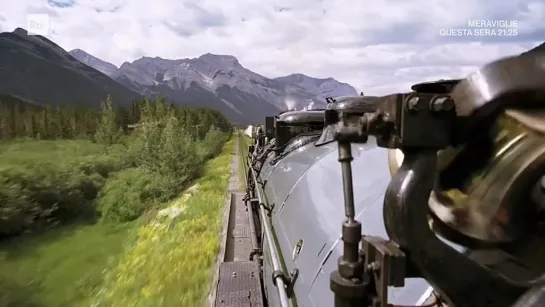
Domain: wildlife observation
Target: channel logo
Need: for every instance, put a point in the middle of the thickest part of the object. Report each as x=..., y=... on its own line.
x=43, y=24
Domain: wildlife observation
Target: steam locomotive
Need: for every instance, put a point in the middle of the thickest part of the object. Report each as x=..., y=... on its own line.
x=429, y=198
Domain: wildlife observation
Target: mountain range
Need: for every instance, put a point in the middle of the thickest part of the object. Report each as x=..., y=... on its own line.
x=36, y=70
x=33, y=69
x=221, y=82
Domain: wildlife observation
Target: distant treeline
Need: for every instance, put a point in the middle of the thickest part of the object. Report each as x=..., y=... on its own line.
x=66, y=122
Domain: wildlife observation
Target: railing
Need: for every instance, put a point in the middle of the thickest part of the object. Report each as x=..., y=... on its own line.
x=246, y=165
x=265, y=222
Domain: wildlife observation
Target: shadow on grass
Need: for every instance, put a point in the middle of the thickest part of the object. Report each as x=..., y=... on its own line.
x=14, y=294
x=61, y=266
x=27, y=244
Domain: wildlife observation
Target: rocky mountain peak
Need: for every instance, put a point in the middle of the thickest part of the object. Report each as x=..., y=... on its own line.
x=540, y=48
x=67, y=80
x=20, y=31
x=322, y=87
x=226, y=60
x=104, y=67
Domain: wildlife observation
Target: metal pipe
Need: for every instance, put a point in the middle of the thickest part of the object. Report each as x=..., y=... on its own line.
x=253, y=234
x=345, y=157
x=280, y=285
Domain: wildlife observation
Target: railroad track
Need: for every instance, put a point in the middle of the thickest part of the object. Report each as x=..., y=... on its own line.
x=239, y=281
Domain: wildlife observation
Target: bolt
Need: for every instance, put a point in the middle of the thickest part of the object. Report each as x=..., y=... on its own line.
x=412, y=104
x=373, y=266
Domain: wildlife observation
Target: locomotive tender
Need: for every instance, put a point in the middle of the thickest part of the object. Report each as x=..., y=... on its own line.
x=431, y=197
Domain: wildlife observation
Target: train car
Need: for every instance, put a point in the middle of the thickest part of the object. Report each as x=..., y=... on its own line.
x=298, y=194
x=302, y=184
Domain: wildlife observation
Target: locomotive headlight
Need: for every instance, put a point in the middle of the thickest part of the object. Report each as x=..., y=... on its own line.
x=486, y=190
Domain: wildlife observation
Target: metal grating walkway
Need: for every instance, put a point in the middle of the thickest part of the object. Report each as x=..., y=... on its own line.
x=239, y=285
x=239, y=281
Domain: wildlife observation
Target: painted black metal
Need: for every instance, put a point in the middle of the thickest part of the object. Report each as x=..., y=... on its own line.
x=295, y=118
x=269, y=126
x=419, y=123
x=356, y=105
x=420, y=130
x=293, y=123
x=535, y=297
x=405, y=209
x=268, y=208
x=353, y=105
x=436, y=87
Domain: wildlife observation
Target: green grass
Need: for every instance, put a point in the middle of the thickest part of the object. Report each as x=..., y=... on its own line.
x=58, y=266
x=25, y=151
x=74, y=213
x=51, y=181
x=61, y=267
x=27, y=154
x=69, y=265
x=171, y=262
x=151, y=261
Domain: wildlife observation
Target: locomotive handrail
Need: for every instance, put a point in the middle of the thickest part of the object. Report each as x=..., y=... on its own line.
x=278, y=278
x=253, y=235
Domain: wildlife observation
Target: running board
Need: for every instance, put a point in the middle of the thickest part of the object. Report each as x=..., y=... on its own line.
x=239, y=285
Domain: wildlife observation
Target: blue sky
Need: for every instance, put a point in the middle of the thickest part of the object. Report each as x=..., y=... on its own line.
x=379, y=46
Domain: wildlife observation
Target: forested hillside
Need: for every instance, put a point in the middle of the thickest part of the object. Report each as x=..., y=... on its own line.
x=75, y=182
x=65, y=162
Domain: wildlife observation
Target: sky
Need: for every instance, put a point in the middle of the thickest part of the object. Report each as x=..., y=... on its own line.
x=378, y=46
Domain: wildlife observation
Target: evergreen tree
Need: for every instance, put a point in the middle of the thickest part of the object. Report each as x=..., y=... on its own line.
x=107, y=130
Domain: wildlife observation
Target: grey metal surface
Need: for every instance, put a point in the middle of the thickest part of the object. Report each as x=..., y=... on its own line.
x=272, y=252
x=243, y=289
x=242, y=231
x=239, y=241
x=306, y=187
x=239, y=285
x=288, y=173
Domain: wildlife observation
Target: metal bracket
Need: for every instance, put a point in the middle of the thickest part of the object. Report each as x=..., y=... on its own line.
x=385, y=263
x=405, y=209
x=288, y=281
x=269, y=209
x=256, y=251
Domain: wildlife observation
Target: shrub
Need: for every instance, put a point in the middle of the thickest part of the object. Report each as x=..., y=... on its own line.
x=131, y=192
x=49, y=181
x=17, y=212
x=213, y=142
x=56, y=188
x=169, y=150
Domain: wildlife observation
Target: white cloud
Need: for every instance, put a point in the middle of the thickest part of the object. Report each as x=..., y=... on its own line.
x=378, y=46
